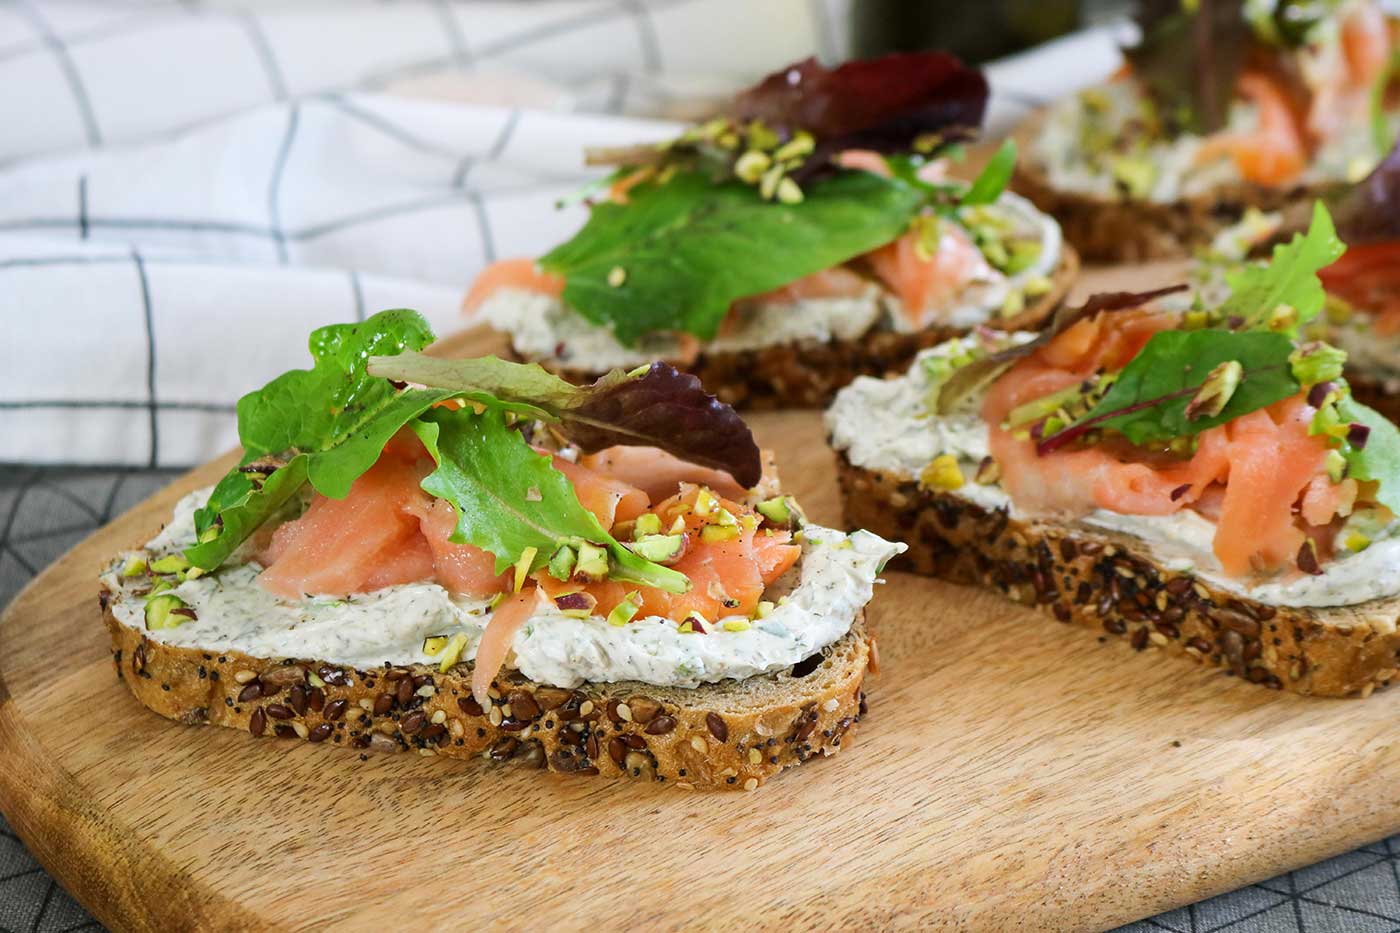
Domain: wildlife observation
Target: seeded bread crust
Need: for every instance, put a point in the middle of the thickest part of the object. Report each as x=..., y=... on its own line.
x=808, y=374
x=730, y=735
x=1109, y=583
x=1111, y=230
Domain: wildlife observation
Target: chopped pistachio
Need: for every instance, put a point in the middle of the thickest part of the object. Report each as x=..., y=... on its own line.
x=1283, y=317
x=170, y=563
x=194, y=573
x=736, y=625
x=789, y=192
x=943, y=473
x=1336, y=465
x=1037, y=285
x=451, y=653
x=561, y=562
x=1014, y=304
x=617, y=276
x=715, y=534
x=624, y=611
x=1316, y=362
x=159, y=614
x=988, y=471
x=751, y=166
x=210, y=533
x=677, y=526
x=761, y=136
x=135, y=566
x=768, y=184
x=1195, y=320
x=799, y=147
x=523, y=565
x=1021, y=255
x=1136, y=174
x=705, y=502
x=776, y=511
x=1356, y=541
x=1216, y=391
x=765, y=609
x=592, y=563
x=660, y=549
x=433, y=645
x=647, y=524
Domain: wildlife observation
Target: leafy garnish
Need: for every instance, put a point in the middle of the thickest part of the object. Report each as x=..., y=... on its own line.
x=1369, y=211
x=981, y=372
x=993, y=178
x=326, y=425
x=1189, y=58
x=677, y=255
x=1378, y=459
x=1151, y=400
x=656, y=406
x=510, y=499
x=1288, y=280
x=884, y=104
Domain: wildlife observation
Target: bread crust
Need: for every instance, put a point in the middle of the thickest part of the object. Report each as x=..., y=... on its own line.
x=808, y=374
x=1110, y=583
x=723, y=736
x=1113, y=230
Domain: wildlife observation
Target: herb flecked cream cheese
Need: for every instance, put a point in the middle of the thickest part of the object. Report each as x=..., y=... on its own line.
x=884, y=425
x=834, y=579
x=542, y=327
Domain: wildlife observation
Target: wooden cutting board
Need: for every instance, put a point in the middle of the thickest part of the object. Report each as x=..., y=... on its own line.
x=1013, y=772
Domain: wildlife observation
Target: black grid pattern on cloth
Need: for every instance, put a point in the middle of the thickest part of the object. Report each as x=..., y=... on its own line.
x=460, y=49
x=45, y=511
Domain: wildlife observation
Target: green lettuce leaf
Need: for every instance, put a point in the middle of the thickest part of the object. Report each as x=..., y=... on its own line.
x=509, y=497
x=655, y=406
x=1147, y=403
x=1290, y=278
x=677, y=255
x=1379, y=460
x=326, y=426
x=993, y=178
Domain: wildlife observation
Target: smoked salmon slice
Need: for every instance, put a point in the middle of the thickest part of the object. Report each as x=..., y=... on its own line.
x=1248, y=475
x=926, y=285
x=522, y=274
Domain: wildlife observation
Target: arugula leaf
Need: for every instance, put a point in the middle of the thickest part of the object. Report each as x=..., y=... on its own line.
x=1290, y=277
x=656, y=406
x=1379, y=460
x=993, y=178
x=509, y=497
x=327, y=424
x=684, y=251
x=1148, y=401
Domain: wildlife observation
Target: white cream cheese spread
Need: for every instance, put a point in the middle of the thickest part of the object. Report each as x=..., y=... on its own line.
x=542, y=327
x=831, y=583
x=884, y=425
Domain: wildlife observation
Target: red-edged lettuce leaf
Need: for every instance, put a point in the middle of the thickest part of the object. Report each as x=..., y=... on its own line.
x=656, y=406
x=883, y=104
x=1369, y=212
x=980, y=373
x=1188, y=61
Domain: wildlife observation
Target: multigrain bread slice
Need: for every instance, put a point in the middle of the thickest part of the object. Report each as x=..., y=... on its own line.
x=728, y=735
x=1111, y=230
x=1108, y=582
x=808, y=374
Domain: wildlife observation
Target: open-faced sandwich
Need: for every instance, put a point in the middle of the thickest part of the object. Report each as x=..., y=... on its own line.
x=473, y=556
x=809, y=236
x=1200, y=481
x=1362, y=313
x=1224, y=104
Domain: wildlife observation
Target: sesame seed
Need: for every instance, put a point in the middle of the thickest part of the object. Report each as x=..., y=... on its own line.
x=755, y=756
x=585, y=707
x=243, y=677
x=624, y=712
x=426, y=690
x=494, y=716
x=426, y=752
x=439, y=717
x=830, y=705
x=751, y=784
x=697, y=743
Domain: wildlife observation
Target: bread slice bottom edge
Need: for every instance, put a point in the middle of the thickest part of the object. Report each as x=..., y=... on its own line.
x=1109, y=583
x=727, y=735
x=807, y=374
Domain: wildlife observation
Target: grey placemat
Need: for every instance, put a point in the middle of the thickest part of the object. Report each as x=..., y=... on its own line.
x=46, y=511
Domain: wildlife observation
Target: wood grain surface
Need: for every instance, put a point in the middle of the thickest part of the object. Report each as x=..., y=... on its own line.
x=1012, y=773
